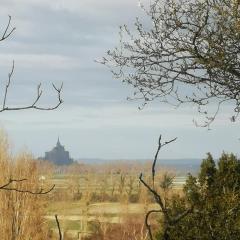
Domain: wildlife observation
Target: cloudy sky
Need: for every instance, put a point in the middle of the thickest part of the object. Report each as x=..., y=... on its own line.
x=58, y=41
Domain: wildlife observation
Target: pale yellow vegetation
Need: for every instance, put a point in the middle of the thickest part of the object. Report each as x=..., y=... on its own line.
x=21, y=213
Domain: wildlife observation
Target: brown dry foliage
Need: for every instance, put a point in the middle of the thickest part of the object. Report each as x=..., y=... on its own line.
x=132, y=228
x=21, y=214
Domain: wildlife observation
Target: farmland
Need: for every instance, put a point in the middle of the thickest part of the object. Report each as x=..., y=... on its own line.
x=91, y=201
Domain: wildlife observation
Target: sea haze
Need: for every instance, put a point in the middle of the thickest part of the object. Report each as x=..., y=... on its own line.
x=180, y=165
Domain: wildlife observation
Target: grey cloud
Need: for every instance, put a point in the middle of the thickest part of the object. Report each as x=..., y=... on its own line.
x=57, y=41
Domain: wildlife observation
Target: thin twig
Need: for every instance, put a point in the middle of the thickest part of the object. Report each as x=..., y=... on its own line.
x=170, y=221
x=58, y=226
x=148, y=226
x=36, y=100
x=160, y=145
x=12, y=180
x=7, y=33
x=7, y=85
x=7, y=187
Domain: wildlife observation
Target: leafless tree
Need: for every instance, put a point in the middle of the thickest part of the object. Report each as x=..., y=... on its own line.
x=8, y=31
x=188, y=51
x=169, y=220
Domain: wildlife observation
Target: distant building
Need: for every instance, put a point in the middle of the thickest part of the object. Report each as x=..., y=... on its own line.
x=58, y=155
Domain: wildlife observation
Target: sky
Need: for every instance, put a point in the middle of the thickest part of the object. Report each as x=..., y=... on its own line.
x=58, y=41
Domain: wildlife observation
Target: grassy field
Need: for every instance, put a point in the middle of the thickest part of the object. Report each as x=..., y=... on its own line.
x=73, y=215
x=77, y=216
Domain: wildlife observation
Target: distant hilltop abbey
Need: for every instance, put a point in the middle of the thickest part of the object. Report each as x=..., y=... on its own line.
x=58, y=155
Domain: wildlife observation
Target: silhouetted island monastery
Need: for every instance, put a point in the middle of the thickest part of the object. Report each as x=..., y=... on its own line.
x=58, y=155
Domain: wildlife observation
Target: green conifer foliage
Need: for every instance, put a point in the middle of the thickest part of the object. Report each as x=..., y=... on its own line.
x=215, y=195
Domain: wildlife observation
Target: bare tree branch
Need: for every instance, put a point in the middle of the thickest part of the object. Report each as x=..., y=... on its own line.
x=189, y=54
x=58, y=226
x=148, y=225
x=7, y=186
x=160, y=145
x=169, y=220
x=8, y=30
x=34, y=105
x=7, y=85
x=11, y=181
